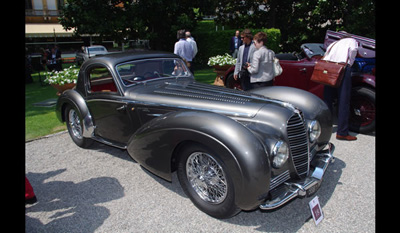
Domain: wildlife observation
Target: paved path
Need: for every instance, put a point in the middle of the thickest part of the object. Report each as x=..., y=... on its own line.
x=103, y=190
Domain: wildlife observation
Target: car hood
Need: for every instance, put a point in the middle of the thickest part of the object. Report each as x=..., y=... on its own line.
x=204, y=97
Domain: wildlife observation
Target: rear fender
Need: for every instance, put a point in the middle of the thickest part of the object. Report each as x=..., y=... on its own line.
x=74, y=99
x=244, y=156
x=363, y=80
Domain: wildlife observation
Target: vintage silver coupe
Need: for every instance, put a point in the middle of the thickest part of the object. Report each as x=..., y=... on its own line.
x=232, y=150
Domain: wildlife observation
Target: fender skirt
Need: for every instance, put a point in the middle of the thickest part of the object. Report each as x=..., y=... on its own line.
x=73, y=98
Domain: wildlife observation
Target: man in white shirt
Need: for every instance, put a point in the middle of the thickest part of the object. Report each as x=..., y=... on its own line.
x=183, y=48
x=344, y=50
x=191, y=40
x=193, y=43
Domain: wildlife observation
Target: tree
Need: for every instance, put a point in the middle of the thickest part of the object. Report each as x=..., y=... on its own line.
x=300, y=20
x=156, y=20
x=106, y=18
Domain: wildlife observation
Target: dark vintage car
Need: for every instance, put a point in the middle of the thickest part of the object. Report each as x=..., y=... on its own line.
x=298, y=68
x=232, y=150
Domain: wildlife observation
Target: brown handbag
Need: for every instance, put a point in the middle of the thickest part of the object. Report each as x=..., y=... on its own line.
x=329, y=73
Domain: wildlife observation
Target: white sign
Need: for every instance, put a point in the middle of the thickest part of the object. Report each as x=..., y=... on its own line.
x=316, y=210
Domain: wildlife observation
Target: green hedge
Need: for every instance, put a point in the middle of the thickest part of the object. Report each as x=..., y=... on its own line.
x=211, y=43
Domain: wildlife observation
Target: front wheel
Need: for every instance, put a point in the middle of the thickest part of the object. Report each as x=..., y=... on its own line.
x=204, y=178
x=231, y=83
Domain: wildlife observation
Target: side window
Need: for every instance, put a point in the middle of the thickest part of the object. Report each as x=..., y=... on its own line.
x=101, y=80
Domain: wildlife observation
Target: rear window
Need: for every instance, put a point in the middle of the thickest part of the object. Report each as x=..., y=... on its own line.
x=101, y=80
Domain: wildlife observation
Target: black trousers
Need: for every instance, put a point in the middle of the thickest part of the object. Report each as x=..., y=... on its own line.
x=343, y=93
x=262, y=84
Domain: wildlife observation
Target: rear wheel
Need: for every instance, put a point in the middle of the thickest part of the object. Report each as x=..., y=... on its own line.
x=73, y=119
x=362, y=110
x=204, y=178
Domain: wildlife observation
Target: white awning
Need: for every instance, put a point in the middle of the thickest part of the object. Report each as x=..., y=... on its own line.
x=46, y=30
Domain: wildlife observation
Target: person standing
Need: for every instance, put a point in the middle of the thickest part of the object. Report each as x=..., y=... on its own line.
x=235, y=43
x=54, y=59
x=193, y=43
x=183, y=48
x=245, y=55
x=261, y=68
x=344, y=50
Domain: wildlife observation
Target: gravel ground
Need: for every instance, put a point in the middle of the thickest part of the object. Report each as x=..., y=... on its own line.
x=103, y=190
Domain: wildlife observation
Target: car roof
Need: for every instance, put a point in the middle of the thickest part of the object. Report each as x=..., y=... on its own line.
x=113, y=59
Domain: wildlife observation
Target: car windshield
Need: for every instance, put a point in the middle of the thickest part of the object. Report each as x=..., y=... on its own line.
x=135, y=72
x=313, y=49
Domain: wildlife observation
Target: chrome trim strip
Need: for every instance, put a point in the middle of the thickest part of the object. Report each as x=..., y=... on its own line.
x=102, y=140
x=228, y=113
x=279, y=179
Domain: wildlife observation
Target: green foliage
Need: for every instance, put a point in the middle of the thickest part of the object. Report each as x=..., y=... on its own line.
x=212, y=43
x=156, y=20
x=300, y=21
x=95, y=17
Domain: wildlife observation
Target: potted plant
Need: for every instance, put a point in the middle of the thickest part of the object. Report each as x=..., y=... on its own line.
x=64, y=79
x=221, y=64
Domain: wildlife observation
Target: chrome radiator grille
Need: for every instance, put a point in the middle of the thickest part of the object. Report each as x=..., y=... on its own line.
x=298, y=143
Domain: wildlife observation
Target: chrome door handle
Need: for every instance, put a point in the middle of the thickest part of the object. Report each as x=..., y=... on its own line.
x=122, y=108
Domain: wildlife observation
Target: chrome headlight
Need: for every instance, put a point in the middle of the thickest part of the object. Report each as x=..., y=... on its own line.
x=314, y=130
x=280, y=154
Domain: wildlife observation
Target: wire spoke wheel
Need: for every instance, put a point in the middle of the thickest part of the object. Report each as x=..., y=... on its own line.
x=206, y=177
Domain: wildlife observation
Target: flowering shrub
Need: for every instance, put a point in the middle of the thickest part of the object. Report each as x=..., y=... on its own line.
x=67, y=75
x=221, y=60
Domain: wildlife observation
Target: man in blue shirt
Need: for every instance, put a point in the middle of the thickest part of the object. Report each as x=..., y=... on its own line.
x=184, y=49
x=236, y=42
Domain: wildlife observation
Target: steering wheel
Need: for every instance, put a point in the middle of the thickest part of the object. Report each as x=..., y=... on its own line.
x=148, y=75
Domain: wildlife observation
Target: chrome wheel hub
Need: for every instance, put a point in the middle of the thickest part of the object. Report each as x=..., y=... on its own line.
x=206, y=177
x=75, y=124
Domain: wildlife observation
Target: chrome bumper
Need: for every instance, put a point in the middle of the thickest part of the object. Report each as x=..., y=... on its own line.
x=306, y=187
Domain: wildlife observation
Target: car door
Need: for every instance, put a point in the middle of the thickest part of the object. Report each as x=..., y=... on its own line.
x=295, y=73
x=107, y=105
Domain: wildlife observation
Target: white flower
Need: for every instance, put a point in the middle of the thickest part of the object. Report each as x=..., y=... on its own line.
x=221, y=60
x=67, y=75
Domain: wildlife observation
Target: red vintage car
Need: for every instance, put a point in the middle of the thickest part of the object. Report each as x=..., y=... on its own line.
x=298, y=68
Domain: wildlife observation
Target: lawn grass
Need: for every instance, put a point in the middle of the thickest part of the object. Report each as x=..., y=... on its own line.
x=41, y=121
x=205, y=75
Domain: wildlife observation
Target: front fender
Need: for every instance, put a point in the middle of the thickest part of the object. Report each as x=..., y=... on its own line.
x=311, y=106
x=153, y=146
x=73, y=98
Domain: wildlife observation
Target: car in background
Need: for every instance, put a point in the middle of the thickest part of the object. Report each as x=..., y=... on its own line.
x=90, y=51
x=298, y=68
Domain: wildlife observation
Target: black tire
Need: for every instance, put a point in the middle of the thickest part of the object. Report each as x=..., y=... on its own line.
x=73, y=119
x=231, y=83
x=362, y=110
x=211, y=189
